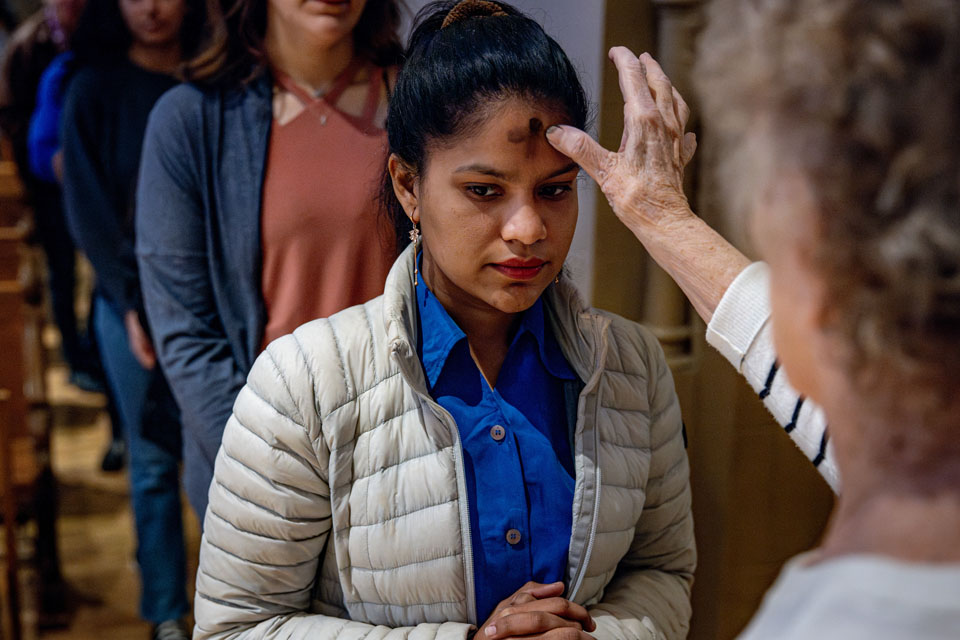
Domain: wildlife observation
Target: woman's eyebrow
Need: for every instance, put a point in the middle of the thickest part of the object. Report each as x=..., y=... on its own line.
x=567, y=169
x=496, y=173
x=482, y=168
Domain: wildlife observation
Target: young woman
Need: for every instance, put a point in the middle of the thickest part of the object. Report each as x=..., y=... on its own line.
x=256, y=209
x=127, y=55
x=475, y=451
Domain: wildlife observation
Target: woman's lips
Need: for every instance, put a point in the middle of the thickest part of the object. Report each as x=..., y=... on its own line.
x=517, y=269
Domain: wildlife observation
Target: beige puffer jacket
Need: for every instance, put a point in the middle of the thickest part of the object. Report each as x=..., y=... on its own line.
x=338, y=504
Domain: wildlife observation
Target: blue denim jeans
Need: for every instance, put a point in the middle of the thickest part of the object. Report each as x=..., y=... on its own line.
x=154, y=476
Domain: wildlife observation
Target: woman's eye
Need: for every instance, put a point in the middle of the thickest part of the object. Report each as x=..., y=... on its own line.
x=555, y=191
x=482, y=190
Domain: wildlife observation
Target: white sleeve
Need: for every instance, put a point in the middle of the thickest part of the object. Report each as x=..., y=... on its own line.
x=740, y=330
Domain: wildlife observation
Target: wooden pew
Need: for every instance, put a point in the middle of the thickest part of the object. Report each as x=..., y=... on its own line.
x=26, y=480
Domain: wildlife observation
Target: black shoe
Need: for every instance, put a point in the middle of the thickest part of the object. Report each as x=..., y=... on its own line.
x=170, y=630
x=113, y=458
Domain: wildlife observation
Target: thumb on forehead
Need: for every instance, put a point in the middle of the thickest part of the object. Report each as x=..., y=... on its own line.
x=578, y=146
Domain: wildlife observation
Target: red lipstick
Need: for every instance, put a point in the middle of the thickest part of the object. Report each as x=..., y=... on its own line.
x=520, y=269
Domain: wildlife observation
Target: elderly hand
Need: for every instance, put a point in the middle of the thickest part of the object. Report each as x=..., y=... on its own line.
x=644, y=182
x=537, y=611
x=644, y=179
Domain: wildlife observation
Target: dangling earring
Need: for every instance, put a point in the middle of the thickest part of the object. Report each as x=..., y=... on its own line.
x=415, y=239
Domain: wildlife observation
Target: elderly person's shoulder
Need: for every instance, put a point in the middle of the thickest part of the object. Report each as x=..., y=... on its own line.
x=861, y=597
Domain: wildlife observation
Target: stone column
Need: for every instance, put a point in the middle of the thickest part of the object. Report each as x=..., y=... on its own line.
x=665, y=309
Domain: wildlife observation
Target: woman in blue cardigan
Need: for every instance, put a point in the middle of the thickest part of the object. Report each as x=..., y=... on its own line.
x=200, y=228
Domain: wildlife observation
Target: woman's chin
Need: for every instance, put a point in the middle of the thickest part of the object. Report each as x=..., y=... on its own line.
x=516, y=298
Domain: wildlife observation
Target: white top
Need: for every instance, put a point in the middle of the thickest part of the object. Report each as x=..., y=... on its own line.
x=860, y=598
x=740, y=330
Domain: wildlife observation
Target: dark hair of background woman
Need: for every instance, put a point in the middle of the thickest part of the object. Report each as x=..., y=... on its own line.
x=451, y=73
x=102, y=35
x=236, y=53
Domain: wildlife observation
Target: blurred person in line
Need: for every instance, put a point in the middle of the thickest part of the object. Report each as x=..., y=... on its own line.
x=475, y=453
x=128, y=53
x=838, y=123
x=35, y=44
x=256, y=209
x=46, y=164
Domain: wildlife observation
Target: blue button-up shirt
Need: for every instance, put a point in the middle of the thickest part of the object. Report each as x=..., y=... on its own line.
x=516, y=448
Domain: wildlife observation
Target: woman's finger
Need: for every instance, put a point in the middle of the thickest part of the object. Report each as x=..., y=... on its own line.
x=662, y=91
x=527, y=623
x=682, y=109
x=560, y=607
x=538, y=590
x=582, y=149
x=689, y=148
x=633, y=83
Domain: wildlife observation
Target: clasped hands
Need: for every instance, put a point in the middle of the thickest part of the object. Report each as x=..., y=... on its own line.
x=537, y=611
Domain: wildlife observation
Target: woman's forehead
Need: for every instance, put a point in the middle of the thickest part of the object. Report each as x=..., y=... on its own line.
x=508, y=136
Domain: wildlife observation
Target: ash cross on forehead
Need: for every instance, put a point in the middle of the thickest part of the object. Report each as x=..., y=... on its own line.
x=528, y=135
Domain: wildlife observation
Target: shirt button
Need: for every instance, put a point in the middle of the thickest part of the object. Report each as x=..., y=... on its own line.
x=513, y=536
x=498, y=433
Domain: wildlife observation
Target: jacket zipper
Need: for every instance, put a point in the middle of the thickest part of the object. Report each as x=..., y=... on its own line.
x=463, y=499
x=581, y=573
x=582, y=569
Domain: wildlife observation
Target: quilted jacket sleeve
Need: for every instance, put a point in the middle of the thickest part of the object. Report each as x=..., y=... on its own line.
x=649, y=597
x=269, y=517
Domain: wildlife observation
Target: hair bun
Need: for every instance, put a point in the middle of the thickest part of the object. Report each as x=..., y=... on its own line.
x=473, y=9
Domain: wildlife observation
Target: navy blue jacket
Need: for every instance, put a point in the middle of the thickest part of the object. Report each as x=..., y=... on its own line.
x=198, y=248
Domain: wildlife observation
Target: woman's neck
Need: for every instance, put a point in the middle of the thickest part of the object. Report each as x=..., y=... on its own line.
x=488, y=330
x=901, y=482
x=907, y=526
x=309, y=63
x=159, y=58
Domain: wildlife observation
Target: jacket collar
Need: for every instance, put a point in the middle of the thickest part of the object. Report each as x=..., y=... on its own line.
x=579, y=330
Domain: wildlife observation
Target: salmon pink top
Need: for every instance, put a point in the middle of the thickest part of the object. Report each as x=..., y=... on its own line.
x=325, y=244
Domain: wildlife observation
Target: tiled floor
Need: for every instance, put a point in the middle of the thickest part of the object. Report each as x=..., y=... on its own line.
x=95, y=525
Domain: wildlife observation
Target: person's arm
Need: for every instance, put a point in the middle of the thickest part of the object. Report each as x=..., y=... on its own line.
x=270, y=516
x=171, y=232
x=43, y=136
x=649, y=597
x=740, y=330
x=91, y=212
x=643, y=182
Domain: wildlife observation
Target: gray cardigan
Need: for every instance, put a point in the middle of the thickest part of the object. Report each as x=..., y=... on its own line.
x=198, y=249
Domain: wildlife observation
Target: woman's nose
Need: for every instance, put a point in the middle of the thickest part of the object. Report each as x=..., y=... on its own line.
x=524, y=224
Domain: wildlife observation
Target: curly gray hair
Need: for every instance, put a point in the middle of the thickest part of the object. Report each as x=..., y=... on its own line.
x=863, y=98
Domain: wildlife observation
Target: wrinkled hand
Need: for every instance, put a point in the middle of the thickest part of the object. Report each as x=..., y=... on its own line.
x=537, y=611
x=643, y=181
x=140, y=343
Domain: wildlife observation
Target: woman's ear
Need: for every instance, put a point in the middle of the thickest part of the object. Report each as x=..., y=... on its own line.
x=405, y=186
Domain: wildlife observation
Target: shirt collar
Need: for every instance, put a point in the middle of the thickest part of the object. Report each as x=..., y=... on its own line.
x=440, y=334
